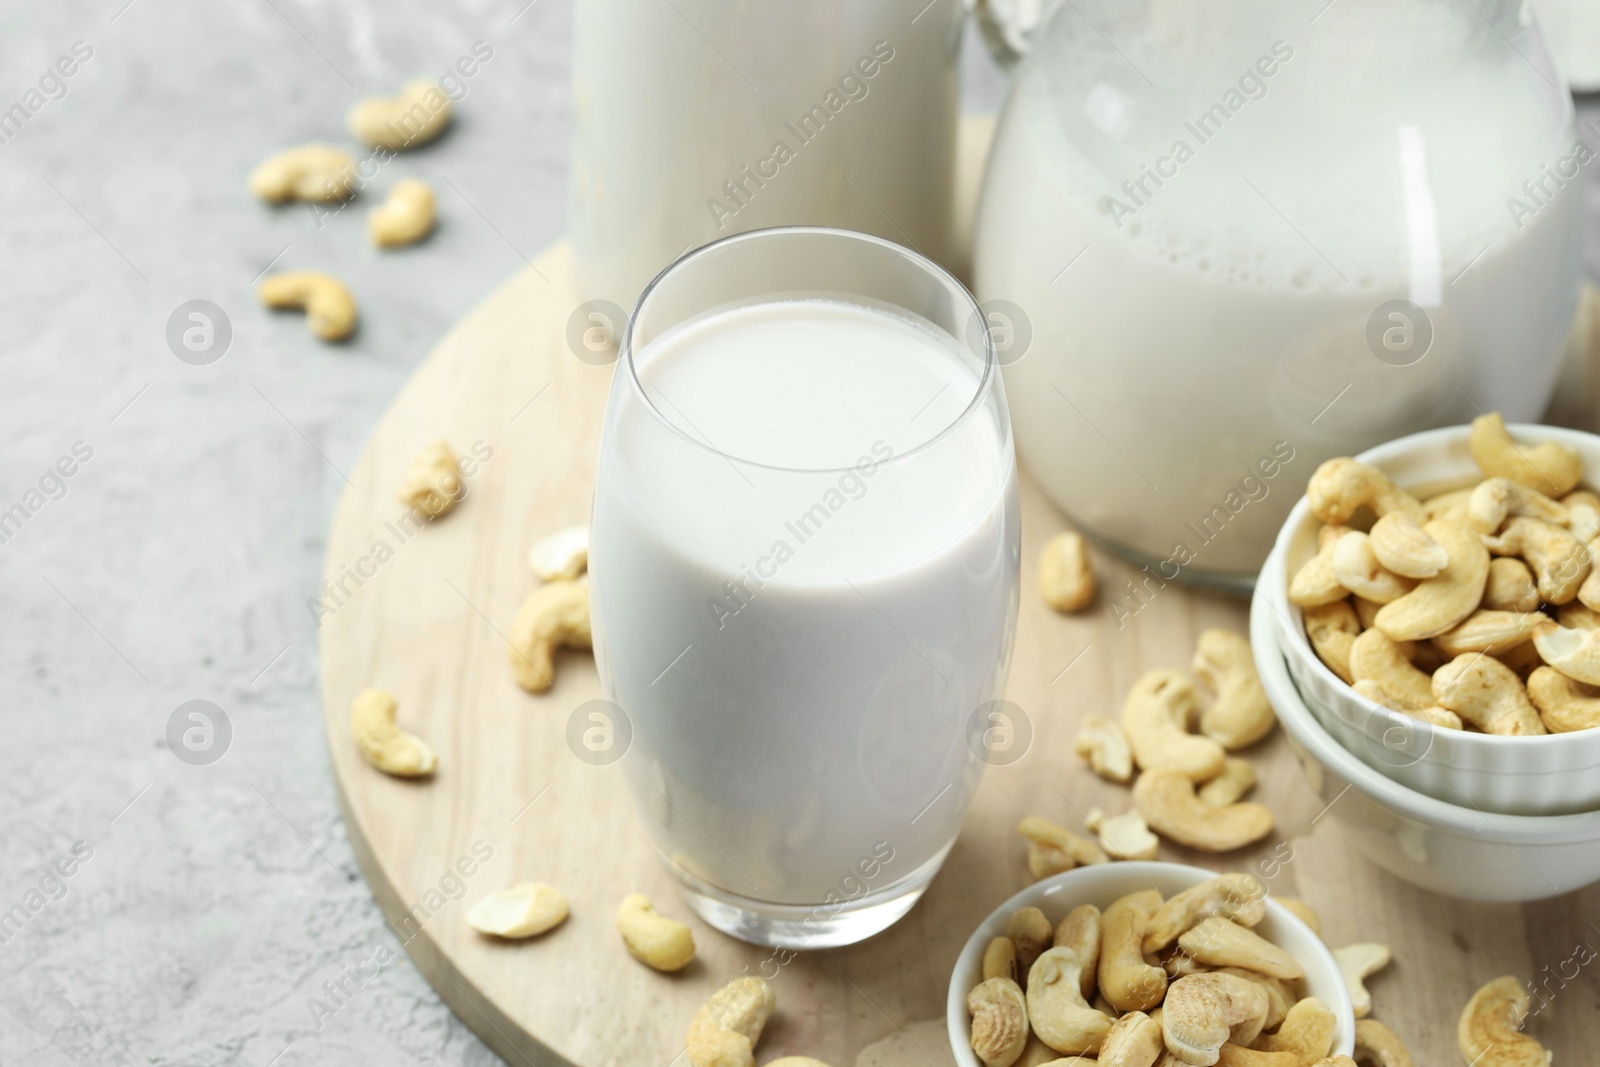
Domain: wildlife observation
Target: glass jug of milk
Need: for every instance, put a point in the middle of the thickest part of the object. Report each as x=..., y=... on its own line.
x=696, y=120
x=1249, y=235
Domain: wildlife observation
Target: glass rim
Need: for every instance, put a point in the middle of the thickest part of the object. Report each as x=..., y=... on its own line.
x=914, y=258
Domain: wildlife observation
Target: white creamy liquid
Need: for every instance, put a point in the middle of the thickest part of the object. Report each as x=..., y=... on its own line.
x=799, y=651
x=1572, y=29
x=1190, y=369
x=700, y=119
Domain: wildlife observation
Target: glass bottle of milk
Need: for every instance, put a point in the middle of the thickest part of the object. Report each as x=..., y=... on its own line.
x=695, y=120
x=1250, y=235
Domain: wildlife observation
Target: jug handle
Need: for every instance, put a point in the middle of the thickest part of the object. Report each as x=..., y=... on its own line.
x=1009, y=26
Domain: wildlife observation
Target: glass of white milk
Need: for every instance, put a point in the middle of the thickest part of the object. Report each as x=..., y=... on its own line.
x=1249, y=235
x=804, y=575
x=697, y=119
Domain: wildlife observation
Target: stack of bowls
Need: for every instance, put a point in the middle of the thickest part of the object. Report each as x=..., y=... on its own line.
x=1468, y=814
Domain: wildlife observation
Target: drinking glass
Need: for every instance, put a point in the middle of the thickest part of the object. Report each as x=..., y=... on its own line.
x=804, y=575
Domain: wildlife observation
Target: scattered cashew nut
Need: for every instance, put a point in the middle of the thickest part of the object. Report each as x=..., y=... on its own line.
x=1380, y=1046
x=382, y=743
x=563, y=554
x=1125, y=836
x=1155, y=717
x=651, y=938
x=405, y=216
x=1101, y=741
x=329, y=307
x=1238, y=777
x=524, y=910
x=1357, y=963
x=1066, y=580
x=1167, y=800
x=1489, y=1031
x=555, y=615
x=725, y=1030
x=418, y=115
x=317, y=173
x=433, y=485
x=1241, y=714
x=1552, y=468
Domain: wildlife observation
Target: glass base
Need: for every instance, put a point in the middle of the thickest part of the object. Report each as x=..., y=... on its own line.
x=805, y=926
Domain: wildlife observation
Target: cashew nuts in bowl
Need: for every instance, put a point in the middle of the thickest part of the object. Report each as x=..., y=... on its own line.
x=1055, y=1000
x=1435, y=688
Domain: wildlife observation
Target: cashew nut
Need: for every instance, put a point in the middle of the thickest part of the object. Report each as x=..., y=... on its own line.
x=1053, y=848
x=1238, y=897
x=1493, y=632
x=1179, y=964
x=522, y=911
x=1450, y=505
x=1552, y=468
x=1133, y=1041
x=1432, y=714
x=1057, y=1009
x=725, y=1030
x=329, y=307
x=1308, y=1031
x=1031, y=933
x=1065, y=578
x=1575, y=653
x=418, y=115
x=1401, y=545
x=1280, y=994
x=1578, y=616
x=1219, y=942
x=1315, y=583
x=314, y=172
x=1356, y=568
x=1080, y=931
x=1559, y=561
x=433, y=485
x=1332, y=629
x=555, y=615
x=651, y=938
x=1583, y=513
x=1523, y=660
x=1127, y=980
x=1237, y=779
x=1342, y=487
x=1231, y=1055
x=1357, y=963
x=405, y=216
x=1589, y=591
x=1380, y=1046
x=1510, y=586
x=1336, y=1061
x=1497, y=499
x=1241, y=715
x=1375, y=657
x=563, y=554
x=1000, y=959
x=1488, y=694
x=1204, y=1011
x=1101, y=741
x=1038, y=1054
x=1489, y=1031
x=382, y=743
x=1125, y=836
x=1167, y=800
x=1045, y=861
x=1156, y=716
x=1564, y=705
x=1440, y=602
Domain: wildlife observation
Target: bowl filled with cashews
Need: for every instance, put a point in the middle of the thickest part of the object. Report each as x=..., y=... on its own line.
x=1437, y=602
x=1064, y=969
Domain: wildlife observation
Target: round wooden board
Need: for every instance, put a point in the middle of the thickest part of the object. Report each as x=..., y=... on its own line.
x=511, y=802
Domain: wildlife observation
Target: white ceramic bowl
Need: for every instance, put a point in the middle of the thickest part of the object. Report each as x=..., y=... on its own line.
x=1551, y=775
x=1103, y=884
x=1452, y=849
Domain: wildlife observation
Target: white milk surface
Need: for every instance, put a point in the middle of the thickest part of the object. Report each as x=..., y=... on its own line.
x=1197, y=331
x=800, y=625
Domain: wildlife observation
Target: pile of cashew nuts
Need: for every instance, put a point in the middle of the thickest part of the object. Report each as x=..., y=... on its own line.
x=1475, y=609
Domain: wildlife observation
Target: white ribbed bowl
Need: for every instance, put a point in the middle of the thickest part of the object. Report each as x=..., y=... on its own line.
x=1446, y=848
x=1556, y=774
x=1102, y=885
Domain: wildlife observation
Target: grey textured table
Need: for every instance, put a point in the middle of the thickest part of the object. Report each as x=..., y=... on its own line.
x=209, y=905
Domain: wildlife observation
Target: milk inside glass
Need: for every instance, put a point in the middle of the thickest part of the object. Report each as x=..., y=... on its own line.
x=697, y=119
x=1572, y=28
x=804, y=584
x=1201, y=314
